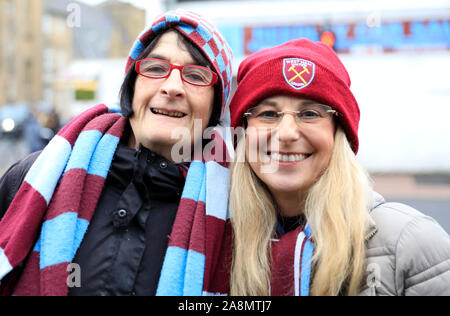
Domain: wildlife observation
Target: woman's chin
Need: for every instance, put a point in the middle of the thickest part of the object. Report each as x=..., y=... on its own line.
x=286, y=187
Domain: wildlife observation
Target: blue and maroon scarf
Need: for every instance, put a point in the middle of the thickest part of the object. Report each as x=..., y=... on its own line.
x=291, y=263
x=49, y=216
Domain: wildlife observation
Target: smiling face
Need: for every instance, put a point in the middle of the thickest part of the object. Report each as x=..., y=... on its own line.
x=301, y=152
x=162, y=105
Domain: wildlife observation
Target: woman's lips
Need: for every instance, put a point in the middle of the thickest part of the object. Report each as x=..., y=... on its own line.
x=288, y=157
x=174, y=114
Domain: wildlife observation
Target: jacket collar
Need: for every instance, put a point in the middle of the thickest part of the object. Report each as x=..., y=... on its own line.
x=151, y=173
x=372, y=229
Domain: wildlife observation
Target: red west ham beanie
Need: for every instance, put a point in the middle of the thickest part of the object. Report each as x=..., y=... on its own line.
x=299, y=68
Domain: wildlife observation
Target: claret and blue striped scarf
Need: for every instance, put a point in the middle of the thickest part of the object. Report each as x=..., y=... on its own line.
x=49, y=216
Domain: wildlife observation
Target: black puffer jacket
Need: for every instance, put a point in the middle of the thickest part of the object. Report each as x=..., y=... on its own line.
x=124, y=247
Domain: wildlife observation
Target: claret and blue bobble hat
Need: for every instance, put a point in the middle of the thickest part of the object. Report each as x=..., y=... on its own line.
x=299, y=68
x=202, y=34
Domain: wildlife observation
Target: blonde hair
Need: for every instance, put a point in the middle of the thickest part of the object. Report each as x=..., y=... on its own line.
x=336, y=208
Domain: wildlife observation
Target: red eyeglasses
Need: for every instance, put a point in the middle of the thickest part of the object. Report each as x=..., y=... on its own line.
x=192, y=74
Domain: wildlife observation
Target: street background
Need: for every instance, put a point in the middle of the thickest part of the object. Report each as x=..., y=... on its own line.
x=59, y=57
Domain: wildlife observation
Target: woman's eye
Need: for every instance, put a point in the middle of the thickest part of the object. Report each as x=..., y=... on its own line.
x=268, y=114
x=156, y=69
x=195, y=76
x=309, y=114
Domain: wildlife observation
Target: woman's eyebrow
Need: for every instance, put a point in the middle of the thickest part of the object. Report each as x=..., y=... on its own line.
x=301, y=103
x=308, y=102
x=157, y=56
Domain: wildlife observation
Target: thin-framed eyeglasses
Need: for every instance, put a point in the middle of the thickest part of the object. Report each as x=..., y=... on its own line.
x=267, y=116
x=158, y=69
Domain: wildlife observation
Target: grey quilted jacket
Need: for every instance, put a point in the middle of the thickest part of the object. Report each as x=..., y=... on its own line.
x=408, y=253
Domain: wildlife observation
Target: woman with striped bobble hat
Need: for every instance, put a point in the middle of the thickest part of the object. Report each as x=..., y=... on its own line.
x=108, y=208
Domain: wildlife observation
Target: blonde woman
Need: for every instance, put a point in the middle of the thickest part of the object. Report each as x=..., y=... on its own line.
x=305, y=219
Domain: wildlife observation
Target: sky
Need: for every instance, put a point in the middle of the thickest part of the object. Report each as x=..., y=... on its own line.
x=138, y=3
x=151, y=6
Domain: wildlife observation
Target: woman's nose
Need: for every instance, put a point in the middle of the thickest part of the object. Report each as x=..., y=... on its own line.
x=288, y=129
x=173, y=86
